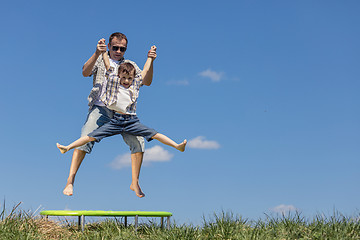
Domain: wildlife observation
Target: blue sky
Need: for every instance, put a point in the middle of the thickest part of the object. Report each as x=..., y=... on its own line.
x=266, y=92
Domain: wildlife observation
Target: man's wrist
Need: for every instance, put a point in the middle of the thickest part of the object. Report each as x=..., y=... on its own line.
x=97, y=52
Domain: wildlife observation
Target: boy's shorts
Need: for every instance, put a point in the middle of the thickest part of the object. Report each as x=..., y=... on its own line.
x=121, y=123
x=98, y=116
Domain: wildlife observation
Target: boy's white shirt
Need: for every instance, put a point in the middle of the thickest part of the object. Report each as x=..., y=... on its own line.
x=123, y=101
x=115, y=65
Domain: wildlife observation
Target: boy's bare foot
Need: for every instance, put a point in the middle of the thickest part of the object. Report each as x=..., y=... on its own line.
x=69, y=189
x=62, y=148
x=136, y=188
x=181, y=146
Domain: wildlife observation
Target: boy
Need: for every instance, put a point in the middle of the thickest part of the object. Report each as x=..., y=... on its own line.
x=121, y=96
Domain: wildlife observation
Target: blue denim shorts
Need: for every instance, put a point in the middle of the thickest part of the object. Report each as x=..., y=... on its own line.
x=98, y=116
x=121, y=123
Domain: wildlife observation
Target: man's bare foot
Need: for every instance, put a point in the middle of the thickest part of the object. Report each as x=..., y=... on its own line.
x=181, y=146
x=136, y=188
x=69, y=189
x=62, y=148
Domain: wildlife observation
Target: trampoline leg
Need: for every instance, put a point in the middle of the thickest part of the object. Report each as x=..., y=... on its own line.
x=125, y=221
x=168, y=222
x=136, y=222
x=82, y=223
x=162, y=222
x=79, y=222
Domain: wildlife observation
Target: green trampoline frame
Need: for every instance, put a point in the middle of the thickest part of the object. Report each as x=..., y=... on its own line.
x=98, y=213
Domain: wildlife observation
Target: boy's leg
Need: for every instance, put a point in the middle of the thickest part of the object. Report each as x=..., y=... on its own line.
x=135, y=127
x=165, y=140
x=77, y=143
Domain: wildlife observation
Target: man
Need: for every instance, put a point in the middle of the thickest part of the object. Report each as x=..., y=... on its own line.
x=98, y=113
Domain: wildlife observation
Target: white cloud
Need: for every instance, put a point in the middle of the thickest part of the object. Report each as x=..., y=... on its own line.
x=178, y=82
x=214, y=76
x=283, y=209
x=202, y=143
x=121, y=161
x=154, y=154
x=157, y=154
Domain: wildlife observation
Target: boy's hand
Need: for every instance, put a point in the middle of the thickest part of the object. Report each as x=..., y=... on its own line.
x=101, y=46
x=152, y=52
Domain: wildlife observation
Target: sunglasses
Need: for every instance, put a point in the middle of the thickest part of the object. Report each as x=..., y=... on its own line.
x=115, y=48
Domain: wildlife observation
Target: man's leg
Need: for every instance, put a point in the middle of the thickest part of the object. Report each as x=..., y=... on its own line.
x=137, y=148
x=136, y=161
x=97, y=117
x=77, y=158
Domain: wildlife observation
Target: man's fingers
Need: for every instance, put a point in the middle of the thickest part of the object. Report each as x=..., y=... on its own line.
x=152, y=52
x=152, y=55
x=101, y=46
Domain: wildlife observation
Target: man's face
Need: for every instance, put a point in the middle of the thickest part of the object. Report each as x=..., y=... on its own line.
x=115, y=48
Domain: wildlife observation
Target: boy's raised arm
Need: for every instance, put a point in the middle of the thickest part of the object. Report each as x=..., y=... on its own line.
x=105, y=56
x=147, y=72
x=88, y=66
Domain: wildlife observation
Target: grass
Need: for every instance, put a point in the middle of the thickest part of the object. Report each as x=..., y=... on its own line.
x=19, y=224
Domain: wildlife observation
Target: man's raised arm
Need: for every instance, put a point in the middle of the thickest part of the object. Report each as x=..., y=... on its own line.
x=88, y=66
x=147, y=72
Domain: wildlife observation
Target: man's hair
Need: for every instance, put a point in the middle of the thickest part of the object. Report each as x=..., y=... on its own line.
x=127, y=68
x=119, y=36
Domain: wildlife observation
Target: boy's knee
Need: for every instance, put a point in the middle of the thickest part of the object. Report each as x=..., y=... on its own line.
x=91, y=139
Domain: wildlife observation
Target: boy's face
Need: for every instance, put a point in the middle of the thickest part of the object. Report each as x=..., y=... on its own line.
x=126, y=79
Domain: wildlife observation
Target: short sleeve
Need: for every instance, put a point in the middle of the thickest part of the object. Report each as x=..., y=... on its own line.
x=96, y=66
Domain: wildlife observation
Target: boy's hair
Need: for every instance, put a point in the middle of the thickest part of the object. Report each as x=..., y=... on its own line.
x=118, y=35
x=127, y=68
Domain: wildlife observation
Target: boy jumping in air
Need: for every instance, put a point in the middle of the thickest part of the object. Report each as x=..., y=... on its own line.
x=121, y=96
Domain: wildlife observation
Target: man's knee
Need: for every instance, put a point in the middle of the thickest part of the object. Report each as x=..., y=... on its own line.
x=87, y=148
x=135, y=143
x=79, y=152
x=138, y=156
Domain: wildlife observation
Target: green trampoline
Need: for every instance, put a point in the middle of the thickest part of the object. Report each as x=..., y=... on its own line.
x=97, y=213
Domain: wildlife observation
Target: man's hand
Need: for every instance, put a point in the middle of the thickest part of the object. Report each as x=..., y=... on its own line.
x=101, y=46
x=147, y=72
x=152, y=52
x=88, y=66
